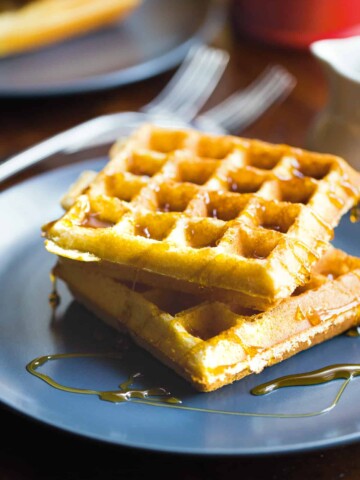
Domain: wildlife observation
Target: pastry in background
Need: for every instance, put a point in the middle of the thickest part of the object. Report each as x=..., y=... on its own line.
x=29, y=24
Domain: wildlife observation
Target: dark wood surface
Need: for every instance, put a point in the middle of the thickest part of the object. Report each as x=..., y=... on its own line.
x=31, y=450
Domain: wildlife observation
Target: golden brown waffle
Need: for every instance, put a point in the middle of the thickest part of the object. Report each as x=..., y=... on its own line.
x=25, y=25
x=211, y=344
x=189, y=211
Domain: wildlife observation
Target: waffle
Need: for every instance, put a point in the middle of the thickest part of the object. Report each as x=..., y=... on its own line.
x=211, y=344
x=25, y=25
x=221, y=215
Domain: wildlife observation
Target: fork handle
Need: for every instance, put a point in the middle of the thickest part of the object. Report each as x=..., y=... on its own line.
x=103, y=129
x=51, y=146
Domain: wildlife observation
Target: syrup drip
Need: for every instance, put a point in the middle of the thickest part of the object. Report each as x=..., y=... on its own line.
x=125, y=392
x=336, y=200
x=166, y=207
x=325, y=314
x=299, y=314
x=248, y=215
x=327, y=227
x=304, y=270
x=213, y=213
x=54, y=298
x=350, y=189
x=315, y=377
x=353, y=332
x=273, y=226
x=355, y=213
x=143, y=231
x=47, y=227
x=316, y=316
x=92, y=220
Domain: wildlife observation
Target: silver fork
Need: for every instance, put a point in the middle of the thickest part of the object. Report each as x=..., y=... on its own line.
x=244, y=107
x=230, y=116
x=191, y=86
x=177, y=104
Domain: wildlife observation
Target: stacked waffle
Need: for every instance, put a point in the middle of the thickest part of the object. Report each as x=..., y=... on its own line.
x=213, y=252
x=28, y=24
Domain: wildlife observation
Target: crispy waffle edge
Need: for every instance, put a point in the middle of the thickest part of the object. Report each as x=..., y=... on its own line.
x=231, y=345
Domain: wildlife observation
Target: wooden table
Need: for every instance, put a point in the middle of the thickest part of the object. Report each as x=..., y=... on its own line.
x=23, y=455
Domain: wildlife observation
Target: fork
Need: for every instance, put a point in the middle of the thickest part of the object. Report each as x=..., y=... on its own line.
x=230, y=116
x=179, y=102
x=242, y=108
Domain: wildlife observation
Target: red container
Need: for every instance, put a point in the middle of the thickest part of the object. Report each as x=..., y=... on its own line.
x=295, y=23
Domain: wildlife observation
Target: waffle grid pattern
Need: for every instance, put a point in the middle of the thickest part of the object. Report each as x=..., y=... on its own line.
x=220, y=212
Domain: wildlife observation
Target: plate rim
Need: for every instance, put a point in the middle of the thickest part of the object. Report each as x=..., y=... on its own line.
x=301, y=448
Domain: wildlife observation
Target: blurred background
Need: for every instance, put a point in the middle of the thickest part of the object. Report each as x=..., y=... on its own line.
x=117, y=59
x=64, y=62
x=294, y=24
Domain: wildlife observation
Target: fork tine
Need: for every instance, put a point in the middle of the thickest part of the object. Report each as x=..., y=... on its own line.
x=244, y=107
x=260, y=84
x=275, y=92
x=192, y=85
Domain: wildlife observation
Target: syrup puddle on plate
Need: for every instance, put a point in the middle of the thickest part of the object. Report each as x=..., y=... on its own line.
x=124, y=393
x=160, y=396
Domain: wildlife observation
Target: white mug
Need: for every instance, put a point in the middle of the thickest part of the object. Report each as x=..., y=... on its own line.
x=336, y=128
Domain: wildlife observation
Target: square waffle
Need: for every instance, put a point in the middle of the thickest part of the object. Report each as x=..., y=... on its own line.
x=221, y=215
x=28, y=24
x=210, y=343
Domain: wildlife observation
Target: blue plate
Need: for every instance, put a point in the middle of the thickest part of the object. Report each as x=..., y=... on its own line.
x=229, y=421
x=153, y=39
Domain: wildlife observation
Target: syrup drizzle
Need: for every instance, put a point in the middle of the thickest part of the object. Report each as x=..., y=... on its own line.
x=336, y=200
x=353, y=332
x=316, y=377
x=355, y=212
x=159, y=396
x=123, y=394
x=319, y=315
x=92, y=220
x=54, y=297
